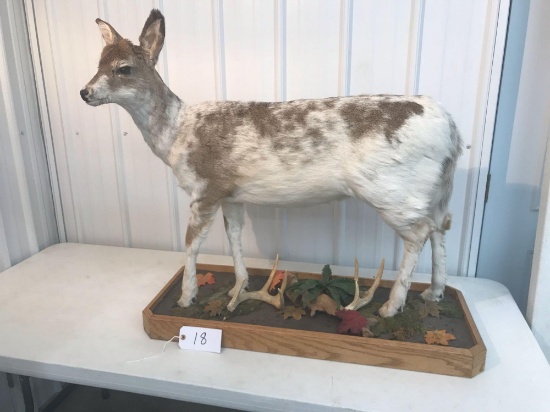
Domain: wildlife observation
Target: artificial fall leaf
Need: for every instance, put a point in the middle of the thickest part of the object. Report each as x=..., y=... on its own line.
x=438, y=337
x=428, y=307
x=214, y=307
x=277, y=281
x=352, y=322
x=207, y=279
x=323, y=303
x=293, y=312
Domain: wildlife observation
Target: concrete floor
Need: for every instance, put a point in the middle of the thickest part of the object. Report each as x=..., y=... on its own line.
x=88, y=399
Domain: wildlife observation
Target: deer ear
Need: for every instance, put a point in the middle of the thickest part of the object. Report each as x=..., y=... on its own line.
x=109, y=34
x=152, y=35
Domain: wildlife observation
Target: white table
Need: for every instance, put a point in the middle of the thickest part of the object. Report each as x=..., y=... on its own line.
x=72, y=313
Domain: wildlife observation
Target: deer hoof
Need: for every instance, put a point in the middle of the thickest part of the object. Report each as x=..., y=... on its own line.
x=388, y=310
x=184, y=302
x=429, y=294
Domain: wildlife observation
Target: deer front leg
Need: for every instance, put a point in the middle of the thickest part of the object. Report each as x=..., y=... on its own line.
x=200, y=221
x=414, y=242
x=233, y=217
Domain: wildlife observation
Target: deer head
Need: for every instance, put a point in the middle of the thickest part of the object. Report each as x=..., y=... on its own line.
x=126, y=71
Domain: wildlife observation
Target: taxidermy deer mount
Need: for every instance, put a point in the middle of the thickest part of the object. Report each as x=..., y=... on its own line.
x=397, y=153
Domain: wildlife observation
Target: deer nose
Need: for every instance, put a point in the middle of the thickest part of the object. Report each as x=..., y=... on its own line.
x=84, y=94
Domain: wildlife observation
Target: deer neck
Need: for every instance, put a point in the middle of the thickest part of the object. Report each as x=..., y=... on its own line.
x=156, y=112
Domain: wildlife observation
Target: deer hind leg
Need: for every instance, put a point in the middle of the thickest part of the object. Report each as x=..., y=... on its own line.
x=200, y=221
x=439, y=267
x=414, y=240
x=233, y=216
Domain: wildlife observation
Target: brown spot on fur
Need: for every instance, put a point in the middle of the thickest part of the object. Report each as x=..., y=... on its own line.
x=210, y=157
x=263, y=118
x=296, y=114
x=447, y=222
x=203, y=211
x=361, y=119
x=396, y=114
x=217, y=129
x=330, y=102
x=316, y=135
x=385, y=115
x=277, y=123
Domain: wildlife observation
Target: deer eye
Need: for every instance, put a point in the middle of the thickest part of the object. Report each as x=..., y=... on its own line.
x=124, y=70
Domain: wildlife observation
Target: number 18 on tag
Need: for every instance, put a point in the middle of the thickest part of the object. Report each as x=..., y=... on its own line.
x=203, y=339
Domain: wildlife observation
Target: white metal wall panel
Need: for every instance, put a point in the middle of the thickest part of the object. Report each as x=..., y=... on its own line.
x=115, y=191
x=27, y=216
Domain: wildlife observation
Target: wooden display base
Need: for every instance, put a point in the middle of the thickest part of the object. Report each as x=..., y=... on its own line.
x=466, y=362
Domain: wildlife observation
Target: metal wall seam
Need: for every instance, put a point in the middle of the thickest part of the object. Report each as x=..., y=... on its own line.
x=344, y=81
x=20, y=173
x=45, y=118
x=280, y=90
x=219, y=49
x=30, y=131
x=172, y=183
x=414, y=58
x=116, y=131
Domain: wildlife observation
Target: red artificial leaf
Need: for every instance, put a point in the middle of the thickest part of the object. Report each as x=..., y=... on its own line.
x=277, y=281
x=352, y=322
x=207, y=279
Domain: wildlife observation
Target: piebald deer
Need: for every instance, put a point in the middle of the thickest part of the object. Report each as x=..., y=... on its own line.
x=397, y=153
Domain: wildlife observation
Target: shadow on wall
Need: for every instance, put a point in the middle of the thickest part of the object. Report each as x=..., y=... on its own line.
x=511, y=213
x=508, y=237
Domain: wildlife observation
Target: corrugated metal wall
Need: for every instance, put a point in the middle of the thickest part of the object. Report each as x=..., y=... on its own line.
x=27, y=218
x=27, y=215
x=114, y=191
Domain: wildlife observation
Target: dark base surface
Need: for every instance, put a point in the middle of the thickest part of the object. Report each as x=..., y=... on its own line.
x=408, y=326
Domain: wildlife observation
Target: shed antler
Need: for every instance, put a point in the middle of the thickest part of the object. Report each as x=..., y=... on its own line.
x=359, y=302
x=263, y=294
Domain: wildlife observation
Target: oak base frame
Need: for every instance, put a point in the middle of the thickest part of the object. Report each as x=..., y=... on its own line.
x=328, y=346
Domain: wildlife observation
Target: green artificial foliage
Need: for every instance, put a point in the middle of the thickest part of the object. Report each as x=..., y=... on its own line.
x=340, y=289
x=402, y=326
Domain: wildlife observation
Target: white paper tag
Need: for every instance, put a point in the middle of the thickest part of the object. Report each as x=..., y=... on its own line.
x=203, y=339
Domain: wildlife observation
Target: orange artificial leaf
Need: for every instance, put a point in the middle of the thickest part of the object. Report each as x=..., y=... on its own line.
x=438, y=337
x=207, y=279
x=277, y=281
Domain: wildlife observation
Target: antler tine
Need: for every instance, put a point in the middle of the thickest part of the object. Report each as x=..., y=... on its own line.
x=358, y=302
x=278, y=300
x=271, y=275
x=351, y=306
